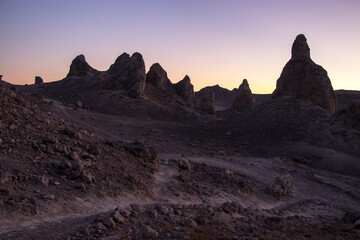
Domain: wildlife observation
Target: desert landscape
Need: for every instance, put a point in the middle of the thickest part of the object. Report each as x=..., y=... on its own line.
x=128, y=154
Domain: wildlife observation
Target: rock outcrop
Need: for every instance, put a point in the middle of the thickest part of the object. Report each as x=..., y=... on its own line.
x=38, y=80
x=244, y=99
x=157, y=76
x=303, y=78
x=128, y=73
x=185, y=89
x=80, y=68
x=207, y=102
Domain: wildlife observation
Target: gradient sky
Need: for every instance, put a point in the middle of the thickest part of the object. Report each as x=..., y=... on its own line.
x=212, y=41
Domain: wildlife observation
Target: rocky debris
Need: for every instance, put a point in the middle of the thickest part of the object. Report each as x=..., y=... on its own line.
x=38, y=80
x=244, y=99
x=128, y=73
x=303, y=78
x=143, y=151
x=41, y=155
x=157, y=76
x=185, y=89
x=231, y=207
x=80, y=68
x=207, y=102
x=282, y=186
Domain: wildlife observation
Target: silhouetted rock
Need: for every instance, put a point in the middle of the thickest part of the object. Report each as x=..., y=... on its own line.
x=80, y=68
x=185, y=89
x=38, y=80
x=244, y=99
x=128, y=74
x=119, y=64
x=207, y=102
x=303, y=78
x=157, y=76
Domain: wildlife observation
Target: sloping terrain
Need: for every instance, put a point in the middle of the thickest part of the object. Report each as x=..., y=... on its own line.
x=79, y=178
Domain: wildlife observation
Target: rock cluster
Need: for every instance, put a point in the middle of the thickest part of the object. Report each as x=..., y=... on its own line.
x=38, y=80
x=303, y=78
x=128, y=73
x=244, y=99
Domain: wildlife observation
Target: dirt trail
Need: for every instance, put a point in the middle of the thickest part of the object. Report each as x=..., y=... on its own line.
x=65, y=112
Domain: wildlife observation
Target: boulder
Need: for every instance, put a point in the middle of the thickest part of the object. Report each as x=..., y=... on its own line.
x=38, y=80
x=157, y=76
x=207, y=102
x=80, y=68
x=303, y=78
x=185, y=90
x=244, y=99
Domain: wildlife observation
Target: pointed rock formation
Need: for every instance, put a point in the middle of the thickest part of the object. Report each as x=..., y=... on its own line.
x=303, y=78
x=157, y=76
x=244, y=99
x=38, y=80
x=185, y=89
x=80, y=68
x=128, y=73
x=207, y=102
x=119, y=63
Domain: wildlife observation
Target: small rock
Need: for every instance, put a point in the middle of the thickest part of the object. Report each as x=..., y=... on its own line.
x=164, y=210
x=100, y=226
x=100, y=217
x=118, y=217
x=190, y=223
x=109, y=222
x=230, y=207
x=85, y=231
x=42, y=179
x=184, y=165
x=125, y=212
x=148, y=232
x=79, y=104
x=137, y=208
x=12, y=127
x=49, y=197
x=81, y=186
x=153, y=214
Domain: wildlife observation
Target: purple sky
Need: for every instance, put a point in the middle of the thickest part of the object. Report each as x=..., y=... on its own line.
x=214, y=42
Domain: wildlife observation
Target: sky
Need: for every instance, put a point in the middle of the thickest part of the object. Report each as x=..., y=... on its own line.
x=213, y=41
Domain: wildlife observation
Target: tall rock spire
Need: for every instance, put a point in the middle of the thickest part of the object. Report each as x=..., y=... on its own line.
x=303, y=78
